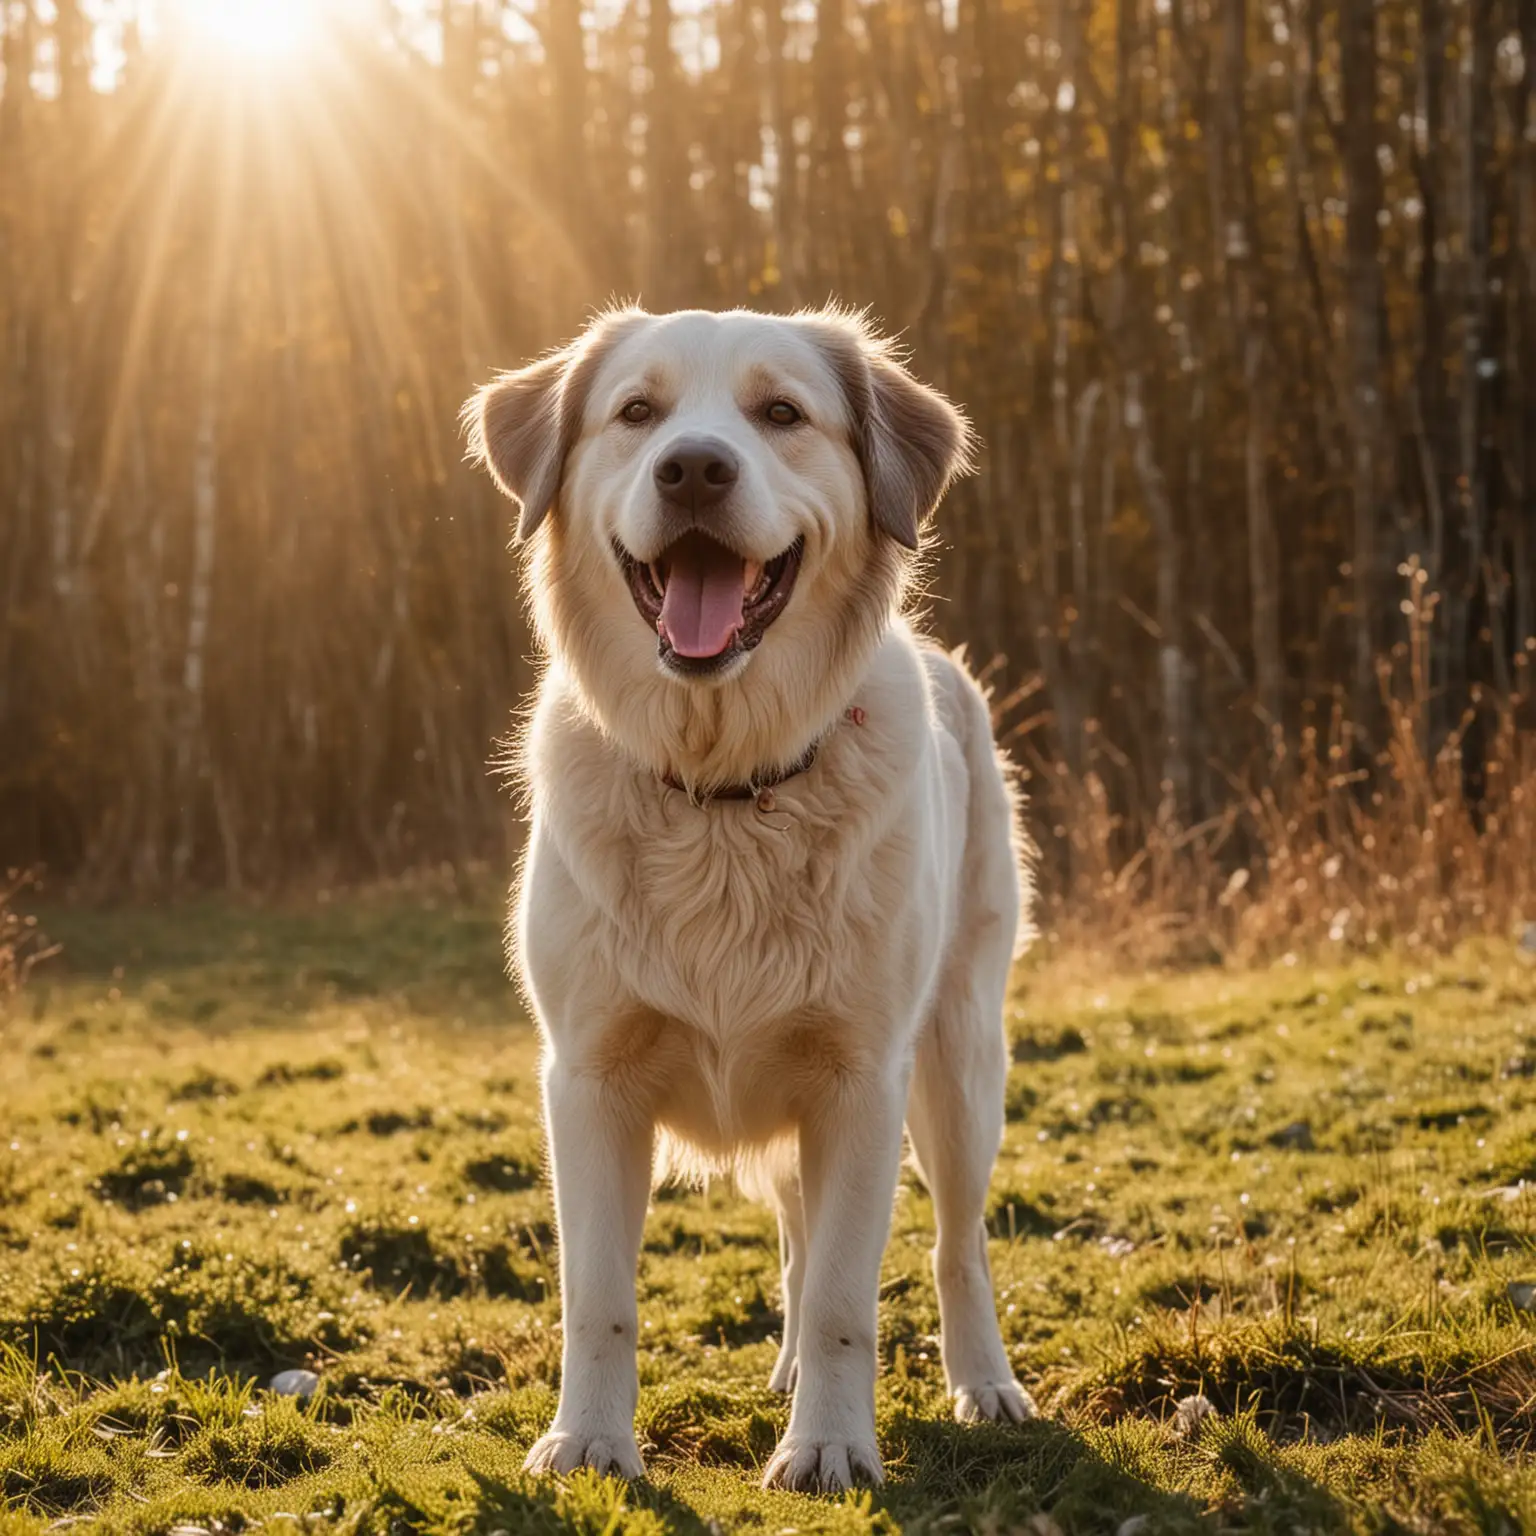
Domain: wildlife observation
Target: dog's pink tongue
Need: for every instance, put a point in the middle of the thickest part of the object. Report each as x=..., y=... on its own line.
x=706, y=587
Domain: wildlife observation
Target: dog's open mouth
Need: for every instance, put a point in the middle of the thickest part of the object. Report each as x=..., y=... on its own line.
x=706, y=603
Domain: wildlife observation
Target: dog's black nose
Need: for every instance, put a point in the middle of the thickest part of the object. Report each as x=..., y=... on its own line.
x=696, y=473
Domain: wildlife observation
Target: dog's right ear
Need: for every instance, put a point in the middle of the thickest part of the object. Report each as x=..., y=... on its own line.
x=520, y=426
x=523, y=424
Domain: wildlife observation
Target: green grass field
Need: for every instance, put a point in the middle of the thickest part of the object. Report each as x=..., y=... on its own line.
x=240, y=1141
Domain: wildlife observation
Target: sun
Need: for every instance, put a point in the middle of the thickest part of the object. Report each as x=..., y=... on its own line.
x=250, y=29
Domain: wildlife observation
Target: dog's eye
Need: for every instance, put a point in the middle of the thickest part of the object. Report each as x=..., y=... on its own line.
x=782, y=414
x=636, y=412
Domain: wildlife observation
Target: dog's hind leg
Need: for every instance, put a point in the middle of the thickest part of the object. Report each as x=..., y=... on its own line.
x=955, y=1110
x=955, y=1117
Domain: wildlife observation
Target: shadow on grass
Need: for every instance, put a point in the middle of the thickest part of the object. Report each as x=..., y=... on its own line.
x=1467, y=1382
x=583, y=1502
x=212, y=958
x=988, y=1477
x=247, y=1318
x=943, y=1477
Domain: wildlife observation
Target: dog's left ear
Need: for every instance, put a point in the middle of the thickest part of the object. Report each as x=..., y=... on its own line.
x=523, y=424
x=911, y=441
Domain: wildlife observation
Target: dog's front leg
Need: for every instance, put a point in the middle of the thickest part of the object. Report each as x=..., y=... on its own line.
x=850, y=1156
x=600, y=1150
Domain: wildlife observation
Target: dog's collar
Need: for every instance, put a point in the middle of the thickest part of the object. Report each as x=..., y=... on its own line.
x=759, y=788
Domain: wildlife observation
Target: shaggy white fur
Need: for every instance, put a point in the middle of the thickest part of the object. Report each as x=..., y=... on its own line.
x=775, y=986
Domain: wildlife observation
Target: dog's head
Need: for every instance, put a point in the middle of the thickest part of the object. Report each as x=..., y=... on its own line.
x=714, y=490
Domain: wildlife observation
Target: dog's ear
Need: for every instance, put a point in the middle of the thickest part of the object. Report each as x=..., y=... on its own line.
x=515, y=428
x=523, y=424
x=911, y=441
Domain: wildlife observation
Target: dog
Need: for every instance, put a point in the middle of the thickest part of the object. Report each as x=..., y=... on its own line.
x=775, y=871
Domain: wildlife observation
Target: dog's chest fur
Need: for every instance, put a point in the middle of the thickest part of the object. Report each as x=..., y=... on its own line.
x=729, y=917
x=741, y=953
x=760, y=968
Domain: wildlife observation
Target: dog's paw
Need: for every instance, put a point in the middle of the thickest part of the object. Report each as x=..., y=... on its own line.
x=786, y=1373
x=998, y=1401
x=562, y=1452
x=823, y=1466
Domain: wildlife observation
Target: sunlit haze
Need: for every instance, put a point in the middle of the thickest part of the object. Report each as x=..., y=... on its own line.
x=254, y=29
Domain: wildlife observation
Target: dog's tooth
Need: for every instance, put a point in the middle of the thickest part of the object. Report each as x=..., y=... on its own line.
x=657, y=579
x=752, y=578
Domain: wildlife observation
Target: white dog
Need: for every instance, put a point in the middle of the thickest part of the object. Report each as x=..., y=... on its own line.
x=773, y=883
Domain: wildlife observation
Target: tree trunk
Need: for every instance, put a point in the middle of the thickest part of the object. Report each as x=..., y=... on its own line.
x=1522, y=354
x=1363, y=340
x=568, y=70
x=829, y=180
x=1244, y=261
x=1477, y=367
x=1263, y=543
x=1173, y=666
x=190, y=739
x=666, y=178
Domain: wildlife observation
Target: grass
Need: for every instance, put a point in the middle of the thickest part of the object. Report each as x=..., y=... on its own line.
x=1415, y=835
x=240, y=1141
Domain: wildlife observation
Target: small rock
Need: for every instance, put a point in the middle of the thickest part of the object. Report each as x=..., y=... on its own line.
x=1137, y=1525
x=1528, y=939
x=1504, y=1191
x=1297, y=1136
x=1042, y=1525
x=1190, y=1414
x=1523, y=1294
x=295, y=1383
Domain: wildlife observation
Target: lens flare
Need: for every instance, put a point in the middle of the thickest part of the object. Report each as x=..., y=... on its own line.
x=250, y=29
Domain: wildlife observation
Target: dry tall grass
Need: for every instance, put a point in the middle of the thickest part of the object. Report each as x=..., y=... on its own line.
x=23, y=944
x=1329, y=844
